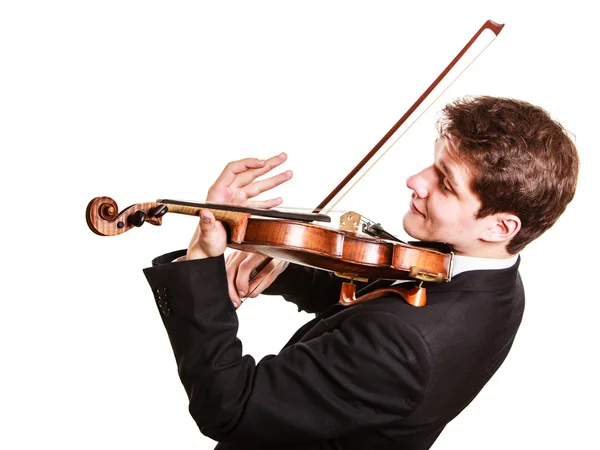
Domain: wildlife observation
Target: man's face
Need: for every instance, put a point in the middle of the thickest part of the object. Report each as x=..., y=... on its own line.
x=442, y=206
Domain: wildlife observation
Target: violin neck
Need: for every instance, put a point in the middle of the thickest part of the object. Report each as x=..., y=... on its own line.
x=237, y=222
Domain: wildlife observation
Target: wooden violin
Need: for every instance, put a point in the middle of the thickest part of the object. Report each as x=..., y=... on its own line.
x=294, y=238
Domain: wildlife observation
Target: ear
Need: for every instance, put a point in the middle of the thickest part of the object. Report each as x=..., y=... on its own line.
x=503, y=227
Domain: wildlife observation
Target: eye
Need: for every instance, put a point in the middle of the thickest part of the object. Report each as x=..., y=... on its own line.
x=442, y=184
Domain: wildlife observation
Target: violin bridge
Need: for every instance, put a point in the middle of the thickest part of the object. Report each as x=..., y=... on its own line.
x=350, y=221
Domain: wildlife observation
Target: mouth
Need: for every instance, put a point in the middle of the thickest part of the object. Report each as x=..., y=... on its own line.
x=414, y=209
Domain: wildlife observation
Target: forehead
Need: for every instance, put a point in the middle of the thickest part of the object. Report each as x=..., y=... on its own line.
x=444, y=148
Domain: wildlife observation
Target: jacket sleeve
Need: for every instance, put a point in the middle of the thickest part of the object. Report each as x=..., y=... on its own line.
x=310, y=289
x=369, y=372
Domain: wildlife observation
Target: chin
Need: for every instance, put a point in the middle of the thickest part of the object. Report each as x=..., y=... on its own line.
x=412, y=227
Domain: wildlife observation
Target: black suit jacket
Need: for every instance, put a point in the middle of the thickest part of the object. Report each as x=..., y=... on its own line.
x=376, y=375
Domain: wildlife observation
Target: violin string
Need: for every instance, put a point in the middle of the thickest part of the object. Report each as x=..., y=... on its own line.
x=357, y=180
x=298, y=209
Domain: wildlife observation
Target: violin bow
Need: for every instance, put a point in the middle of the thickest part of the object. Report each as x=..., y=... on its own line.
x=488, y=25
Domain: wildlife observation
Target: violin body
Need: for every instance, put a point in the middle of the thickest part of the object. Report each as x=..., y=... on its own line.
x=348, y=254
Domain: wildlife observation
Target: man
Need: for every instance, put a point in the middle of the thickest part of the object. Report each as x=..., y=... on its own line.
x=380, y=374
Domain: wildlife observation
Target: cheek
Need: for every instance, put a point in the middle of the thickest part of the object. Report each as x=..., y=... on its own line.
x=466, y=221
x=439, y=210
x=449, y=214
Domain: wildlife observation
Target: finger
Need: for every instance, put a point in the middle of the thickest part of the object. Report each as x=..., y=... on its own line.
x=233, y=274
x=238, y=175
x=229, y=174
x=258, y=187
x=209, y=237
x=229, y=258
x=246, y=267
x=266, y=277
x=207, y=221
x=246, y=177
x=235, y=168
x=212, y=239
x=265, y=204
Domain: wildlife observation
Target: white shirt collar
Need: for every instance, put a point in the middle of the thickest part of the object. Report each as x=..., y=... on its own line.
x=465, y=263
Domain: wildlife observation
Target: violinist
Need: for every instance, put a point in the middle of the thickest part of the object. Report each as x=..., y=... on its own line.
x=380, y=374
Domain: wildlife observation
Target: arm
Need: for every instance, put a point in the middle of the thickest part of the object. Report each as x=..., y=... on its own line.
x=371, y=371
x=312, y=290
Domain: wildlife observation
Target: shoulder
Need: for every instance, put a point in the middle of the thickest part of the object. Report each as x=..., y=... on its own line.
x=480, y=302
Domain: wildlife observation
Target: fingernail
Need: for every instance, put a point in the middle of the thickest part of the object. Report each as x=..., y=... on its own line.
x=242, y=293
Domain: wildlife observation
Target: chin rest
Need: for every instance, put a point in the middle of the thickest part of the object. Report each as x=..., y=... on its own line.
x=415, y=296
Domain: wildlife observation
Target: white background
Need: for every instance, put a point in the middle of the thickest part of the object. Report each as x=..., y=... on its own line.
x=141, y=100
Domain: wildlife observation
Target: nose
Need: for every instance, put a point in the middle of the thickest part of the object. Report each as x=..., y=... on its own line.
x=418, y=184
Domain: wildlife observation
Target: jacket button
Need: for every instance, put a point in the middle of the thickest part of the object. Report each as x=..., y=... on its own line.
x=161, y=300
x=161, y=290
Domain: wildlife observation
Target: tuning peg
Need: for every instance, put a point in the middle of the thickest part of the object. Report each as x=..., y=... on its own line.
x=138, y=218
x=158, y=211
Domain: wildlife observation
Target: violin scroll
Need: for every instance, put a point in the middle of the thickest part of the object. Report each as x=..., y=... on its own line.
x=103, y=216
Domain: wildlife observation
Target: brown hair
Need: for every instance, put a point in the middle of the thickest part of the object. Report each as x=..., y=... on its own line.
x=522, y=161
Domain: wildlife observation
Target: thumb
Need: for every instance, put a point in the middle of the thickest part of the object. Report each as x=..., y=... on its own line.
x=207, y=221
x=210, y=237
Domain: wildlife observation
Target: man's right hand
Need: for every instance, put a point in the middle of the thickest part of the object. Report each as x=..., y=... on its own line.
x=240, y=268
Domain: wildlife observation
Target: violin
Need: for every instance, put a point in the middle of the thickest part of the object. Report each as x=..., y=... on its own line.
x=294, y=237
x=290, y=237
